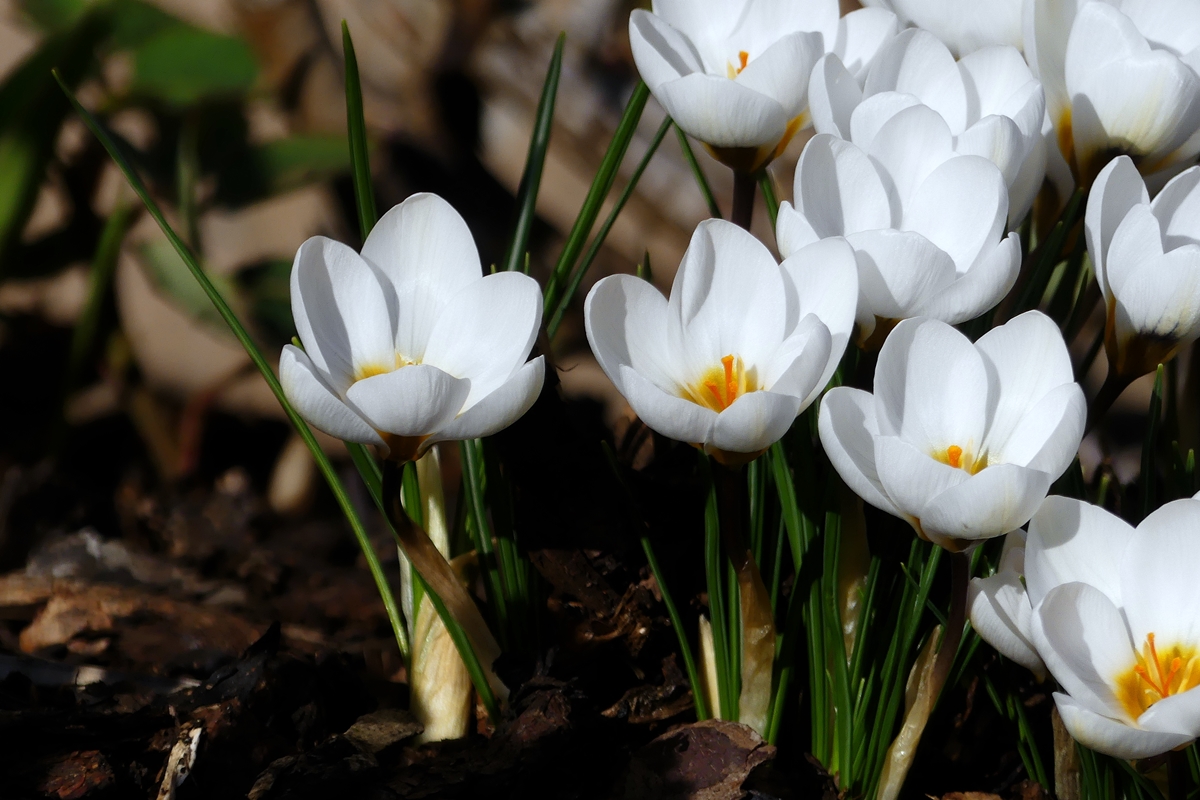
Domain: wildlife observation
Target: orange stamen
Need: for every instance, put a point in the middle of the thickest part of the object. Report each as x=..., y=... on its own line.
x=730, y=383
x=744, y=58
x=954, y=455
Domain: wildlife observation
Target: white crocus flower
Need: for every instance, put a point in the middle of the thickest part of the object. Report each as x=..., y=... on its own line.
x=1147, y=261
x=408, y=343
x=961, y=440
x=742, y=346
x=999, y=605
x=1119, y=77
x=927, y=224
x=964, y=25
x=1116, y=618
x=989, y=99
x=734, y=73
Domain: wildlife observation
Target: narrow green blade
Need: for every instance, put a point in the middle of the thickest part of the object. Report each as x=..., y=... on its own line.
x=364, y=195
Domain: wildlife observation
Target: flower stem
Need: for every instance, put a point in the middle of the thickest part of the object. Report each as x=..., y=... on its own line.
x=744, y=188
x=1178, y=775
x=464, y=622
x=960, y=576
x=1114, y=384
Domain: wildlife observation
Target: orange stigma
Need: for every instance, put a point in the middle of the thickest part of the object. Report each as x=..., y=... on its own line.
x=719, y=386
x=733, y=71
x=954, y=456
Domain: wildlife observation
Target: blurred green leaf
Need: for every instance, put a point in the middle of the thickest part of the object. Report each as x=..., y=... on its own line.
x=54, y=15
x=135, y=22
x=289, y=163
x=266, y=287
x=168, y=272
x=183, y=65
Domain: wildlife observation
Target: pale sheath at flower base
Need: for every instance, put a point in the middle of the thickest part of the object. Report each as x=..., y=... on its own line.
x=1147, y=262
x=1114, y=614
x=1119, y=77
x=926, y=224
x=989, y=99
x=409, y=343
x=734, y=73
x=964, y=25
x=961, y=440
x=742, y=346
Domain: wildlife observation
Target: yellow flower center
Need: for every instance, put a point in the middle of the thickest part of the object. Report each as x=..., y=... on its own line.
x=958, y=458
x=1157, y=674
x=734, y=71
x=719, y=386
x=371, y=369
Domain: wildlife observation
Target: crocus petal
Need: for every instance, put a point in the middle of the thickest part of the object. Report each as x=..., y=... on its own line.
x=1158, y=575
x=1026, y=358
x=1082, y=638
x=911, y=477
x=1161, y=297
x=860, y=35
x=501, y=408
x=1106, y=735
x=981, y=288
x=782, y=71
x=800, y=363
x=915, y=62
x=833, y=94
x=317, y=403
x=838, y=189
x=754, y=422
x=792, y=230
x=1137, y=240
x=1178, y=713
x=1117, y=189
x=721, y=112
x=411, y=401
x=341, y=312
x=990, y=503
x=1071, y=541
x=1177, y=208
x=910, y=145
x=626, y=323
x=873, y=112
x=672, y=416
x=897, y=270
x=931, y=388
x=762, y=21
x=1030, y=177
x=998, y=139
x=998, y=81
x=660, y=51
x=824, y=277
x=426, y=249
x=1047, y=27
x=962, y=207
x=1048, y=436
x=964, y=25
x=486, y=331
x=1172, y=25
x=847, y=428
x=1000, y=612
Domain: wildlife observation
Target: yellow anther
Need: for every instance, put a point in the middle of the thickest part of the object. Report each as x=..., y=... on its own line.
x=1157, y=675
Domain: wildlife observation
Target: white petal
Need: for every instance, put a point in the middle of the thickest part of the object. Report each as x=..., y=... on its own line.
x=1026, y=358
x=998, y=81
x=501, y=408
x=838, y=189
x=1161, y=298
x=661, y=52
x=728, y=298
x=998, y=139
x=1071, y=541
x=426, y=249
x=317, y=403
x=341, y=311
x=897, y=271
x=1106, y=735
x=702, y=21
x=1159, y=590
x=672, y=416
x=965, y=26
x=1172, y=25
x=1177, y=208
x=860, y=35
x=910, y=477
x=931, y=388
x=486, y=331
x=754, y=422
x=721, y=112
x=962, y=207
x=1137, y=241
x=1047, y=27
x=990, y=503
x=1118, y=188
x=824, y=277
x=626, y=323
x=412, y=401
x=1000, y=613
x=782, y=72
x=833, y=94
x=764, y=21
x=1178, y=713
x=981, y=288
x=872, y=112
x=796, y=369
x=792, y=230
x=910, y=145
x=915, y=62
x=847, y=428
x=1082, y=638
x=1029, y=180
x=1047, y=438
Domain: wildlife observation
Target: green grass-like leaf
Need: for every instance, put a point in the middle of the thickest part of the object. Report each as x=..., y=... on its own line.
x=360, y=159
x=698, y=173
